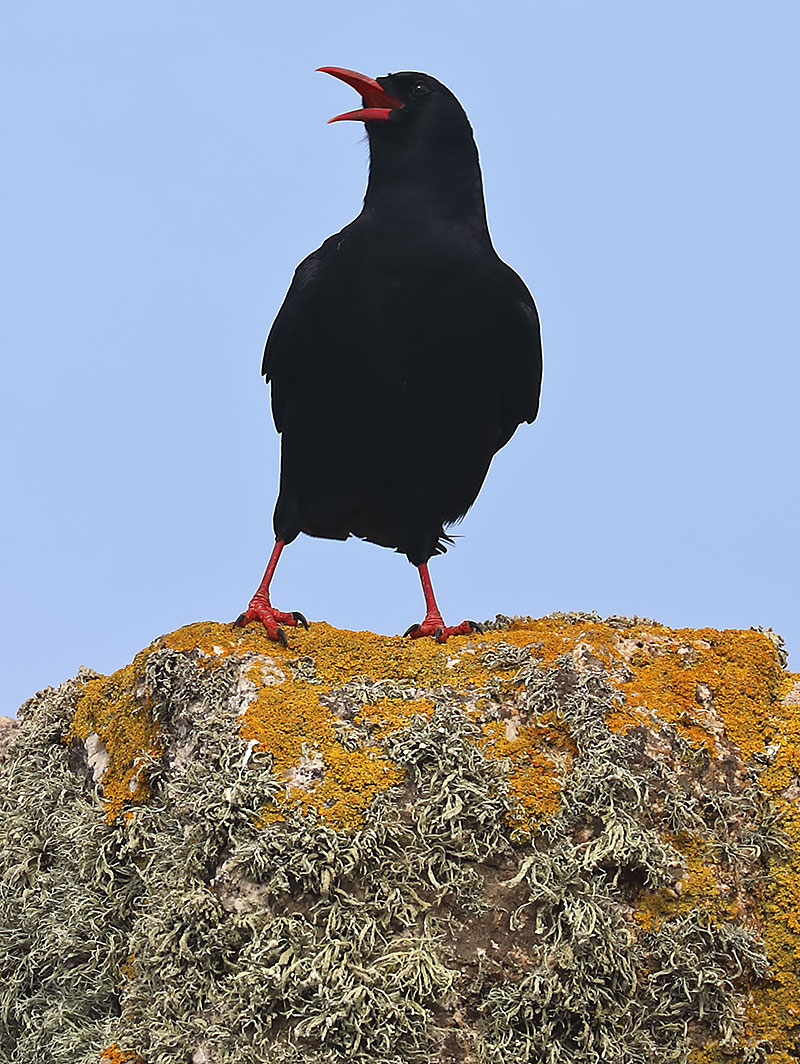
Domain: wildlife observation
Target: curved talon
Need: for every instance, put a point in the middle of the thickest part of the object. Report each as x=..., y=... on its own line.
x=261, y=609
x=439, y=632
x=271, y=619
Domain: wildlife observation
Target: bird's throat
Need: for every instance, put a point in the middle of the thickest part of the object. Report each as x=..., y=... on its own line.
x=413, y=184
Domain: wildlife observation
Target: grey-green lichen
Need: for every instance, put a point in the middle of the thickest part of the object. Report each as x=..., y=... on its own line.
x=195, y=927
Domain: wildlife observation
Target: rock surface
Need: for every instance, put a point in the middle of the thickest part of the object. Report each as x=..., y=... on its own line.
x=9, y=729
x=566, y=840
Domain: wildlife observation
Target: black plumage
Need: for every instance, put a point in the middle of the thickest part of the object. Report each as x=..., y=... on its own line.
x=406, y=352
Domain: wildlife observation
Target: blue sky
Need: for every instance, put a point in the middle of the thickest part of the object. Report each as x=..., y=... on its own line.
x=167, y=166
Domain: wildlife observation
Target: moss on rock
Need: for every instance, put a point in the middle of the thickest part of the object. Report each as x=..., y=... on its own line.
x=565, y=840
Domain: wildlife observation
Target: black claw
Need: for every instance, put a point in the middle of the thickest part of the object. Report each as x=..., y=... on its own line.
x=438, y=634
x=408, y=631
x=298, y=616
x=476, y=627
x=281, y=637
x=240, y=621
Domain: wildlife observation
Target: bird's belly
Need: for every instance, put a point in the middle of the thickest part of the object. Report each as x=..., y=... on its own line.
x=379, y=475
x=387, y=441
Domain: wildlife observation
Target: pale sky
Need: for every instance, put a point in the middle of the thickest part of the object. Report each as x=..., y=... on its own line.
x=168, y=165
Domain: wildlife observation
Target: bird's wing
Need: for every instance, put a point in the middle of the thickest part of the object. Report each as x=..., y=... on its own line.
x=516, y=375
x=294, y=330
x=530, y=362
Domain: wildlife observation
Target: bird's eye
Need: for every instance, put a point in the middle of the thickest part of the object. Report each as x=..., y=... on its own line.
x=419, y=88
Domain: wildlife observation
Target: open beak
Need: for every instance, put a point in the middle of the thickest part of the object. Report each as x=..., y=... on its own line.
x=378, y=105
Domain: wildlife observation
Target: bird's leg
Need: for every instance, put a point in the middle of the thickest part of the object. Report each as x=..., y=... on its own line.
x=433, y=623
x=261, y=609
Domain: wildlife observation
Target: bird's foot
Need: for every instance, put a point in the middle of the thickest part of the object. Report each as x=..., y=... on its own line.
x=433, y=625
x=272, y=619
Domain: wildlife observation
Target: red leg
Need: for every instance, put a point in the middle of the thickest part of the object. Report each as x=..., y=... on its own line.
x=260, y=608
x=433, y=623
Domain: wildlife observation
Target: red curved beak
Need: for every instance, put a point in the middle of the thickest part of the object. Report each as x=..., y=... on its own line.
x=379, y=104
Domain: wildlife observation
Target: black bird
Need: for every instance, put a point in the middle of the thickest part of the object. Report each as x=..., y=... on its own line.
x=406, y=352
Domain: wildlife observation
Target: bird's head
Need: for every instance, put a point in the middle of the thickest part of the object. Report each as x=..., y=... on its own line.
x=406, y=99
x=419, y=136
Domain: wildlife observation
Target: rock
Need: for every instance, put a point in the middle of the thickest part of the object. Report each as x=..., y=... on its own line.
x=9, y=729
x=563, y=840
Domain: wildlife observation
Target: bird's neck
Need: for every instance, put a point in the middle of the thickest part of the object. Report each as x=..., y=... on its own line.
x=415, y=189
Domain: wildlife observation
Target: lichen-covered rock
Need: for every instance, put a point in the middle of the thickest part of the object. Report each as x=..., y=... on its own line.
x=566, y=841
x=8, y=733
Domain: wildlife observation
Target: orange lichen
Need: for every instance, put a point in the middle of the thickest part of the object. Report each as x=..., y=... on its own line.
x=775, y=1011
x=340, y=656
x=391, y=714
x=114, y=708
x=114, y=1055
x=708, y=1056
x=698, y=889
x=537, y=756
x=785, y=733
x=351, y=780
x=288, y=721
x=740, y=670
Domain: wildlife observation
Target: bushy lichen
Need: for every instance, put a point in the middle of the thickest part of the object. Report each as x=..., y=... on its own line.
x=566, y=840
x=67, y=895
